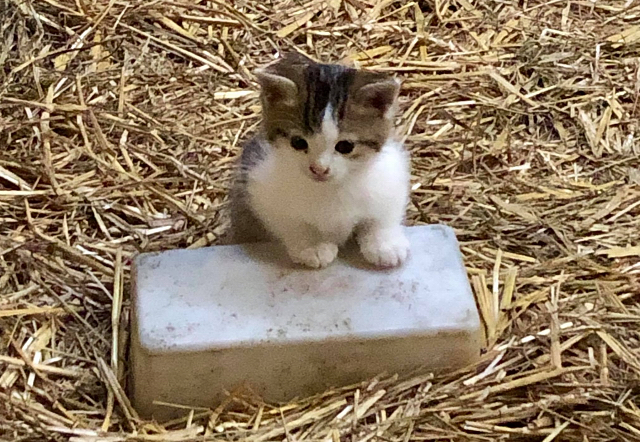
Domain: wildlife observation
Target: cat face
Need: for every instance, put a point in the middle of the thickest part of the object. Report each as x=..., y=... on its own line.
x=327, y=120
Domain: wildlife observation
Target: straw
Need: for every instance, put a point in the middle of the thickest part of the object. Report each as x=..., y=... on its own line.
x=120, y=123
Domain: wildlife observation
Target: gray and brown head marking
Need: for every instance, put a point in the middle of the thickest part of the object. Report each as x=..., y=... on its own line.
x=297, y=91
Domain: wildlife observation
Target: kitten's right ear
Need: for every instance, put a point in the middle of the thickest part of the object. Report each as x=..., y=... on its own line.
x=276, y=89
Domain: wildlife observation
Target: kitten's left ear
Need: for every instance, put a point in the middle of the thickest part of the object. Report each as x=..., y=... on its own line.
x=379, y=96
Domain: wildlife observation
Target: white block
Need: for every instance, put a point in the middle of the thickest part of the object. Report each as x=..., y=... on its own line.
x=211, y=319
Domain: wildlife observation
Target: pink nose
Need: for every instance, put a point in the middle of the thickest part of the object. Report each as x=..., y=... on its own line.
x=319, y=170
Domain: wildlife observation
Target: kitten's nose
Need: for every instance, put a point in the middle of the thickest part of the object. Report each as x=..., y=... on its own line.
x=319, y=171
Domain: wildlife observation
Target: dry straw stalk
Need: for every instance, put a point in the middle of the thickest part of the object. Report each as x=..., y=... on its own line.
x=119, y=125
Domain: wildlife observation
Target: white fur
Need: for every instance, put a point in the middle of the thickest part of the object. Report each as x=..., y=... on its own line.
x=367, y=195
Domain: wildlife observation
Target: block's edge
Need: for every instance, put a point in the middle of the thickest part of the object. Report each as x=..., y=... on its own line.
x=476, y=320
x=149, y=349
x=136, y=350
x=143, y=256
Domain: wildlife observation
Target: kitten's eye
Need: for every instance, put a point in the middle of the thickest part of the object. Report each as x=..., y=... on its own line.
x=299, y=143
x=344, y=147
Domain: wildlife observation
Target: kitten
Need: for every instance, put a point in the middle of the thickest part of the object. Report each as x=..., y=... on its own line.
x=325, y=165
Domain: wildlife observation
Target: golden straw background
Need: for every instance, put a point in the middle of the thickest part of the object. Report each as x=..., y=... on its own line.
x=119, y=125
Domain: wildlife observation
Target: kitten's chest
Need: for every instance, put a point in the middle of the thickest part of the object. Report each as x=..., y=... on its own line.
x=329, y=208
x=333, y=214
x=320, y=202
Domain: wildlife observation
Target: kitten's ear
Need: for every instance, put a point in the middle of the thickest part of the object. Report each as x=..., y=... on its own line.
x=379, y=97
x=276, y=89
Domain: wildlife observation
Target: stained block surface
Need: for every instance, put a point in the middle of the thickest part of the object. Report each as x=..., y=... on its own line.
x=209, y=320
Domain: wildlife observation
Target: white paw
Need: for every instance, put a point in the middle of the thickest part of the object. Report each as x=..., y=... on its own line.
x=320, y=255
x=385, y=251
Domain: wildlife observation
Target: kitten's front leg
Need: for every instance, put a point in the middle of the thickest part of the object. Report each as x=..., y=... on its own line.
x=305, y=248
x=383, y=245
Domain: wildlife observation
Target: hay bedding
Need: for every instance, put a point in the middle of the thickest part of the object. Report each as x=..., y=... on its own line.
x=119, y=125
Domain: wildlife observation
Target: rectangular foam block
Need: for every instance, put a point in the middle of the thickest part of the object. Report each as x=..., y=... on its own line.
x=208, y=320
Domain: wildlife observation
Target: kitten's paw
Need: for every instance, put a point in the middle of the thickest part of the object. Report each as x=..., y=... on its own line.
x=385, y=251
x=318, y=256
